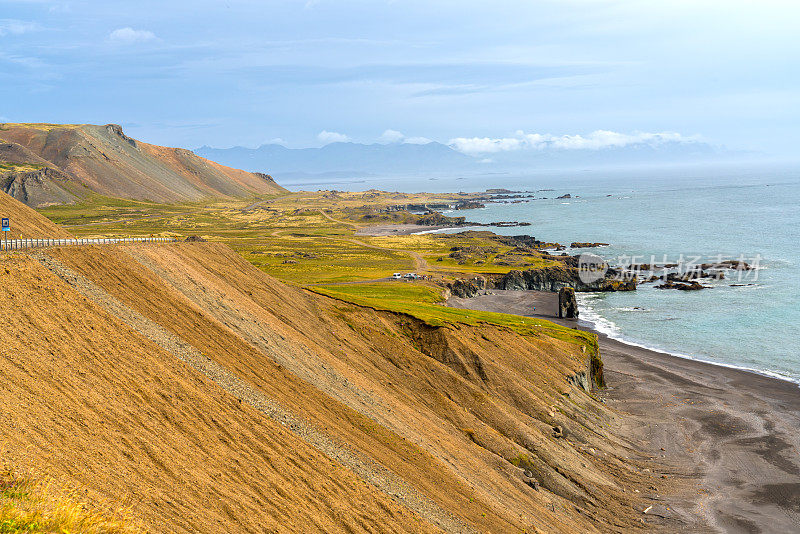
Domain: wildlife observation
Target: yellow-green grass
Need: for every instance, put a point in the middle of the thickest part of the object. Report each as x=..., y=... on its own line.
x=425, y=302
x=96, y=209
x=304, y=260
x=30, y=505
x=19, y=167
x=436, y=248
x=38, y=126
x=283, y=228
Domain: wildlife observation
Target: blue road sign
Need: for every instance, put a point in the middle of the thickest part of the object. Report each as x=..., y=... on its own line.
x=6, y=224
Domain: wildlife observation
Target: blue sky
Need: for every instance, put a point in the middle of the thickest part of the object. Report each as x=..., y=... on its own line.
x=307, y=72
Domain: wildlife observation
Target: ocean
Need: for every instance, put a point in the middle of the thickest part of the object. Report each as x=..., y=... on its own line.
x=675, y=214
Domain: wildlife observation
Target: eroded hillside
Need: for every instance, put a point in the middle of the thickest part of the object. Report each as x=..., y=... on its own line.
x=26, y=222
x=45, y=164
x=229, y=401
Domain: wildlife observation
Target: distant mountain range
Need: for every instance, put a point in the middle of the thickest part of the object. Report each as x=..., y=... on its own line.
x=437, y=157
x=354, y=157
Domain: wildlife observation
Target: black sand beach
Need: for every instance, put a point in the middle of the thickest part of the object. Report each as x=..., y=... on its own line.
x=389, y=229
x=731, y=436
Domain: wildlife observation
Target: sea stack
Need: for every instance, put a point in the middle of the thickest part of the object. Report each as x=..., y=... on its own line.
x=567, y=305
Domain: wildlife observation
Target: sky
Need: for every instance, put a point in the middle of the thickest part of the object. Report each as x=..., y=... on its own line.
x=482, y=76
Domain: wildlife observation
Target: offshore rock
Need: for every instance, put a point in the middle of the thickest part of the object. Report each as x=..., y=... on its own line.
x=578, y=244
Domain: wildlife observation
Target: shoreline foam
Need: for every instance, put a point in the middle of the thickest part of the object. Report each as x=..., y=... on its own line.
x=601, y=325
x=728, y=435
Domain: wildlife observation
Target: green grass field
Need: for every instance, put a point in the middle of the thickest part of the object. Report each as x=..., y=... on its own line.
x=290, y=237
x=425, y=303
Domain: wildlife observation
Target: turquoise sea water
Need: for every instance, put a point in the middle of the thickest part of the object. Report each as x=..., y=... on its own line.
x=751, y=214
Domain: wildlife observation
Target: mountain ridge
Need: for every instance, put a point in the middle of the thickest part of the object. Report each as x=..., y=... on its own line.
x=45, y=164
x=391, y=158
x=344, y=156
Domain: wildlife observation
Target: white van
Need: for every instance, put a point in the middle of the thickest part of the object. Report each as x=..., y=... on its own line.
x=397, y=276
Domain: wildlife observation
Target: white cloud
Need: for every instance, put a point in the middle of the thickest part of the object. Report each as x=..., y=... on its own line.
x=417, y=141
x=391, y=136
x=327, y=137
x=15, y=27
x=131, y=36
x=276, y=141
x=596, y=140
x=484, y=145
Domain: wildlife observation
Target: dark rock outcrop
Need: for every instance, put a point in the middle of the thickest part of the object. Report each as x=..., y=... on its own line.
x=469, y=205
x=681, y=286
x=577, y=244
x=265, y=177
x=195, y=239
x=466, y=288
x=567, y=304
x=39, y=187
x=434, y=218
x=116, y=129
x=557, y=277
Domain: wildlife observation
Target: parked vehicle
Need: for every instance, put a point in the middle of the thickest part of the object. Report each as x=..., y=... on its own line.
x=397, y=276
x=411, y=276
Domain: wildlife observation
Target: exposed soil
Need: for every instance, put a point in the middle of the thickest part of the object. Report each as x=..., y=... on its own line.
x=391, y=424
x=87, y=399
x=27, y=223
x=731, y=435
x=106, y=161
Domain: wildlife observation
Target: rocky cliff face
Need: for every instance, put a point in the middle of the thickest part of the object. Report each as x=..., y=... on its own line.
x=558, y=277
x=40, y=187
x=467, y=288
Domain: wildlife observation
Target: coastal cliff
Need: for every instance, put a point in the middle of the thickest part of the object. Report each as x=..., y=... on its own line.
x=393, y=421
x=558, y=277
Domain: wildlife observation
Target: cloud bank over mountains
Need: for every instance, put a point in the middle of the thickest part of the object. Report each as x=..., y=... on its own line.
x=482, y=146
x=325, y=137
x=394, y=153
x=393, y=136
x=596, y=140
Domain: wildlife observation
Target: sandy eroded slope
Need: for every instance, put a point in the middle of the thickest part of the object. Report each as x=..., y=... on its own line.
x=26, y=222
x=457, y=421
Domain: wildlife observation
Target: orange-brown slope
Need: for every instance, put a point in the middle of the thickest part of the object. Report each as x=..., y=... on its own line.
x=464, y=414
x=109, y=162
x=26, y=222
x=89, y=400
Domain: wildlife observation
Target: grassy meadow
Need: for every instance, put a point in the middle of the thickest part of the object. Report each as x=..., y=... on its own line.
x=309, y=239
